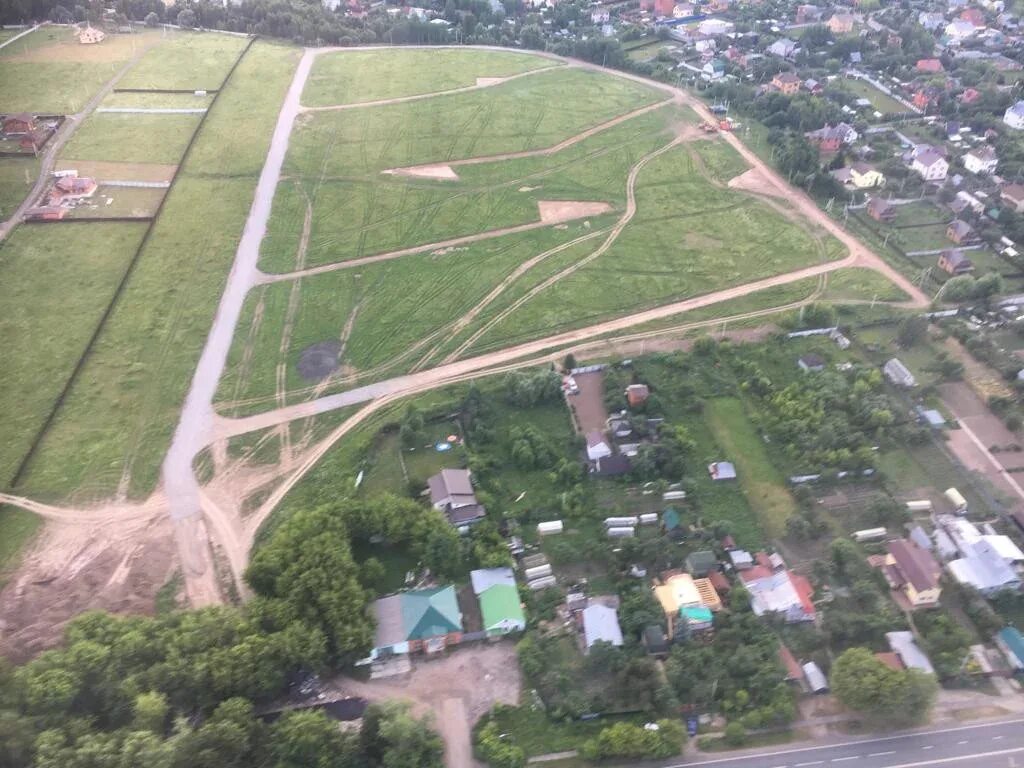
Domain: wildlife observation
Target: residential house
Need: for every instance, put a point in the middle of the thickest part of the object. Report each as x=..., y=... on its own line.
x=970, y=95
x=496, y=591
x=984, y=569
x=859, y=176
x=811, y=362
x=930, y=164
x=451, y=491
x=930, y=66
x=425, y=620
x=910, y=654
x=597, y=446
x=955, y=262
x=959, y=30
x=1013, y=195
x=783, y=48
x=72, y=188
x=1014, y=115
x=897, y=373
x=637, y=394
x=600, y=624
x=841, y=23
x=961, y=233
x=930, y=21
x=713, y=70
x=881, y=210
x=782, y=592
x=829, y=138
x=34, y=140
x=981, y=160
x=715, y=27
x=91, y=36
x=672, y=524
x=722, y=470
x=678, y=592
x=923, y=98
x=974, y=17
x=740, y=559
x=808, y=14
x=913, y=572
x=655, y=641
x=786, y=82
x=1010, y=641
x=702, y=562
x=22, y=122
x=600, y=16
x=813, y=87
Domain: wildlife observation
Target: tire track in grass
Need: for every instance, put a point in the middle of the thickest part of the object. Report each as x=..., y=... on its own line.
x=613, y=235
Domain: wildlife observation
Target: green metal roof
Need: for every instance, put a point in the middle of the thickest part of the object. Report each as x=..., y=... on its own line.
x=501, y=603
x=671, y=519
x=430, y=613
x=1013, y=639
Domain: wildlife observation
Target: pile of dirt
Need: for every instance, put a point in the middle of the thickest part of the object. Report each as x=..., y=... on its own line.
x=320, y=360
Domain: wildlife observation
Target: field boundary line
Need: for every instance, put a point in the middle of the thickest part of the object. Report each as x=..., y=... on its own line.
x=118, y=291
x=20, y=35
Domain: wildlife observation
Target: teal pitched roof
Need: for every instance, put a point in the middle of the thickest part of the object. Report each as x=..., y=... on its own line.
x=1013, y=640
x=696, y=614
x=501, y=603
x=430, y=613
x=671, y=519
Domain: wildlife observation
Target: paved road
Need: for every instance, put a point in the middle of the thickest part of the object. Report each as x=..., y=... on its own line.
x=992, y=745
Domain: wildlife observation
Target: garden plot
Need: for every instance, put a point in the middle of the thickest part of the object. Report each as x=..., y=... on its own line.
x=131, y=138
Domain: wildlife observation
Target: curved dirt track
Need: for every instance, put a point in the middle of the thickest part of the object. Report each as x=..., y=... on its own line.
x=191, y=508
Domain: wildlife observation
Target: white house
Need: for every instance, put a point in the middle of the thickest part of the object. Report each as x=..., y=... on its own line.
x=600, y=16
x=1014, y=115
x=981, y=160
x=597, y=446
x=930, y=165
x=785, y=48
x=958, y=29
x=715, y=27
x=896, y=372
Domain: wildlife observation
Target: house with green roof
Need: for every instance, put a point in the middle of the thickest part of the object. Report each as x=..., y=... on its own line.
x=1011, y=643
x=501, y=610
x=419, y=620
x=672, y=524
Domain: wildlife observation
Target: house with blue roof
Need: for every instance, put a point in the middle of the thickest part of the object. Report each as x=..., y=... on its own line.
x=420, y=620
x=1011, y=643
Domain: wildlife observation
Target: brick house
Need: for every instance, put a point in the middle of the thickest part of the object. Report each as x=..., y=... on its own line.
x=880, y=210
x=786, y=82
x=961, y=233
x=72, y=188
x=1013, y=196
x=22, y=122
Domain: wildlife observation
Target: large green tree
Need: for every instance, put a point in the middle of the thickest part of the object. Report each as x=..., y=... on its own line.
x=864, y=683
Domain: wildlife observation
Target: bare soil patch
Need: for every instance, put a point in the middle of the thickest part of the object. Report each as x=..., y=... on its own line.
x=67, y=48
x=588, y=403
x=482, y=82
x=103, y=171
x=320, y=360
x=438, y=172
x=557, y=211
x=755, y=181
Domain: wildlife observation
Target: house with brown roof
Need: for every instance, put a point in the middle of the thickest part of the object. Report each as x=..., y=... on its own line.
x=830, y=138
x=841, y=23
x=22, y=122
x=954, y=262
x=72, y=188
x=786, y=82
x=913, y=572
x=34, y=140
x=1013, y=195
x=881, y=210
x=46, y=213
x=961, y=233
x=637, y=394
x=451, y=491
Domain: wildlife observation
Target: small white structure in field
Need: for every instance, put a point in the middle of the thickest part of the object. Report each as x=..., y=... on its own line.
x=550, y=527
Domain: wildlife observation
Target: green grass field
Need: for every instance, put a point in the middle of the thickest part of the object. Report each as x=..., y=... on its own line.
x=132, y=138
x=351, y=77
x=157, y=100
x=881, y=102
x=50, y=71
x=17, y=175
x=46, y=283
x=532, y=113
x=128, y=397
x=186, y=61
x=761, y=481
x=861, y=284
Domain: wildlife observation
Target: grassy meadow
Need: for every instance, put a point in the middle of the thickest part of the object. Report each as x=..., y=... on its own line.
x=186, y=61
x=352, y=77
x=132, y=138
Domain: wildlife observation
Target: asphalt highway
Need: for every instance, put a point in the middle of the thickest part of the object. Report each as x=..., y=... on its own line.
x=990, y=745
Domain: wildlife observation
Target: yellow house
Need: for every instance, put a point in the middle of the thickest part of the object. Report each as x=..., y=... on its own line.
x=912, y=571
x=865, y=176
x=677, y=592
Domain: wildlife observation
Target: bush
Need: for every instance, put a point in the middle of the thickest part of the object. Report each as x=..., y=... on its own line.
x=634, y=741
x=735, y=734
x=497, y=752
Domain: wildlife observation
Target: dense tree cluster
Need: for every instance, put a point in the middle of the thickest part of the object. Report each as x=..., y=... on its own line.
x=739, y=672
x=865, y=684
x=626, y=740
x=307, y=573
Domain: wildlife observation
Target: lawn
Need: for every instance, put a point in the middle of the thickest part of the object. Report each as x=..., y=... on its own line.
x=350, y=77
x=761, y=481
x=49, y=71
x=17, y=175
x=688, y=238
x=46, y=283
x=120, y=202
x=537, y=734
x=129, y=394
x=531, y=113
x=186, y=61
x=131, y=138
x=882, y=102
x=861, y=284
x=156, y=101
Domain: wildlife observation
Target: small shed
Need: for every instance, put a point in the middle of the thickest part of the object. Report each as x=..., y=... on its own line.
x=672, y=524
x=722, y=470
x=741, y=559
x=702, y=562
x=654, y=640
x=550, y=527
x=811, y=363
x=815, y=678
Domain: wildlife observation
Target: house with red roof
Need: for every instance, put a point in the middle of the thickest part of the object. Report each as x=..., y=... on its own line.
x=779, y=591
x=72, y=188
x=931, y=66
x=973, y=16
x=913, y=572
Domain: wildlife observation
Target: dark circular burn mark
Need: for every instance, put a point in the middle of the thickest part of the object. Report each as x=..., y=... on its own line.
x=320, y=360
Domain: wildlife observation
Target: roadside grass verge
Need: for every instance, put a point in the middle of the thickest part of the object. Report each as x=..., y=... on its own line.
x=760, y=480
x=531, y=113
x=350, y=77
x=861, y=284
x=54, y=295
x=131, y=138
x=128, y=397
x=187, y=60
x=17, y=175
